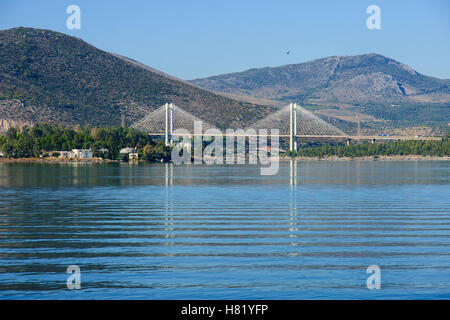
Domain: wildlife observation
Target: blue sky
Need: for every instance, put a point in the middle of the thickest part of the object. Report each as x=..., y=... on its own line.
x=191, y=39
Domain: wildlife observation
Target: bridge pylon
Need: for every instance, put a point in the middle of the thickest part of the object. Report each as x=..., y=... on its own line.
x=166, y=120
x=169, y=123
x=293, y=127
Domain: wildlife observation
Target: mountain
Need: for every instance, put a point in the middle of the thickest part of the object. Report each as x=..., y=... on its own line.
x=51, y=77
x=369, y=87
x=46, y=76
x=367, y=78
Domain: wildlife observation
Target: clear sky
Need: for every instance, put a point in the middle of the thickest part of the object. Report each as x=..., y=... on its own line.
x=198, y=38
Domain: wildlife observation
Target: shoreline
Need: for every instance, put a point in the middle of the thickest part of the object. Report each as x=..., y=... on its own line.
x=326, y=158
x=373, y=158
x=55, y=160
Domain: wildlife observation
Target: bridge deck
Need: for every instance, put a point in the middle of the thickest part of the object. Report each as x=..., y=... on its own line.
x=318, y=136
x=290, y=118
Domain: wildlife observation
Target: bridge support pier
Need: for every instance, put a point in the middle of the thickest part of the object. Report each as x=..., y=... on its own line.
x=293, y=127
x=166, y=106
x=169, y=123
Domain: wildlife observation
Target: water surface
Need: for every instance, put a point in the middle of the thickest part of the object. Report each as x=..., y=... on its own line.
x=157, y=231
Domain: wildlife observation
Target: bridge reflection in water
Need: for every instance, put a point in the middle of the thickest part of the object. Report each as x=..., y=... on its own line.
x=224, y=231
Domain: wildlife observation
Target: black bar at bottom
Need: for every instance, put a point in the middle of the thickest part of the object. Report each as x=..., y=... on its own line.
x=221, y=309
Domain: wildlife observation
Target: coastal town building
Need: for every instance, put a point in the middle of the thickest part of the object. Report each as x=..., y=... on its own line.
x=132, y=153
x=127, y=150
x=64, y=154
x=82, y=153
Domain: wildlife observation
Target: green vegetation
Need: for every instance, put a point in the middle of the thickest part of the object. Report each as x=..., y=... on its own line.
x=43, y=138
x=412, y=147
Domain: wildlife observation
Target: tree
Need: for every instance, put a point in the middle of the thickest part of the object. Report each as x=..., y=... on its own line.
x=147, y=152
x=11, y=134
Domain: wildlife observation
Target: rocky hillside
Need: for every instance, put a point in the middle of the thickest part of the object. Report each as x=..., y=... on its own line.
x=368, y=78
x=47, y=76
x=377, y=91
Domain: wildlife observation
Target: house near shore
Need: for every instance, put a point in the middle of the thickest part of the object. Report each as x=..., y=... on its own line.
x=132, y=153
x=82, y=153
x=63, y=154
x=75, y=153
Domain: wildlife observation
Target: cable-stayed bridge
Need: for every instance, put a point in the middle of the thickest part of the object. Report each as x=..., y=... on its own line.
x=165, y=120
x=292, y=122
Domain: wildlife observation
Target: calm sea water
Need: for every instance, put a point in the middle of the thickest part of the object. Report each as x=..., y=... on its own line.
x=141, y=231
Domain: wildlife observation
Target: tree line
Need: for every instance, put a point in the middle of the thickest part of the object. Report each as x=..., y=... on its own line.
x=45, y=139
x=410, y=147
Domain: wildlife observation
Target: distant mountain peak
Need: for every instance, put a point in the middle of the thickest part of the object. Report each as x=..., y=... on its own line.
x=364, y=78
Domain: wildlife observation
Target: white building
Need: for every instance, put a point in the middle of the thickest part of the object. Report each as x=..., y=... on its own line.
x=64, y=154
x=82, y=153
x=127, y=150
x=132, y=153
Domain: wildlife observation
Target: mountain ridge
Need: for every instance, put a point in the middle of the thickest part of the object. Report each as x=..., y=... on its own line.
x=48, y=76
x=364, y=78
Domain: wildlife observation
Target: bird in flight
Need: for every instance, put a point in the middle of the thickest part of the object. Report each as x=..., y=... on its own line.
x=287, y=52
